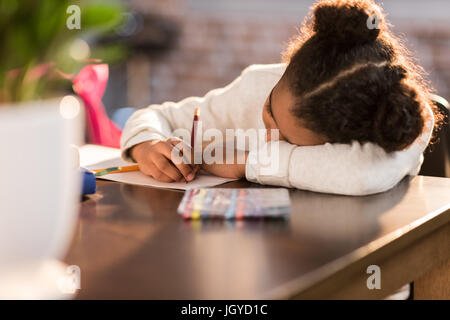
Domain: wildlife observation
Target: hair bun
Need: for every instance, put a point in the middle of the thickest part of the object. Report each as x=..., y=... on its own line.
x=348, y=21
x=394, y=75
x=399, y=119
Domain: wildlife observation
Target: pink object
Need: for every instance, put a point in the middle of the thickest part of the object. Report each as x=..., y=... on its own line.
x=90, y=85
x=34, y=73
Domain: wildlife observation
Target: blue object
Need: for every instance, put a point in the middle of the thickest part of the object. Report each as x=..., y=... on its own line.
x=89, y=182
x=121, y=116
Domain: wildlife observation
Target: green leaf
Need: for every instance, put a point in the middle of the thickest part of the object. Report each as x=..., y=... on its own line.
x=33, y=32
x=109, y=53
x=101, y=16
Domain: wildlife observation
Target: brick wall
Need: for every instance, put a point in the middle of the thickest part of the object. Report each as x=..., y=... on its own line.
x=219, y=38
x=212, y=52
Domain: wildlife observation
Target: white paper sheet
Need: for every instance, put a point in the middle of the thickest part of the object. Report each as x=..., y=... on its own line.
x=99, y=157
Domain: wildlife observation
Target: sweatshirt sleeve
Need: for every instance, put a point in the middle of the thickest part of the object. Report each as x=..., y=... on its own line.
x=349, y=169
x=220, y=109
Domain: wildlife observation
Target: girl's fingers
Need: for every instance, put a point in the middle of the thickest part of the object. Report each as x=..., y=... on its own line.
x=167, y=167
x=188, y=151
x=151, y=170
x=160, y=176
x=185, y=169
x=184, y=149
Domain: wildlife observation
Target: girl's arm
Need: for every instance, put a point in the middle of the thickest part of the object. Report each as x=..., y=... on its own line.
x=356, y=169
x=230, y=107
x=334, y=168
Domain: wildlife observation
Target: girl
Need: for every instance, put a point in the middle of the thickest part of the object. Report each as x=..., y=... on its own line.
x=351, y=108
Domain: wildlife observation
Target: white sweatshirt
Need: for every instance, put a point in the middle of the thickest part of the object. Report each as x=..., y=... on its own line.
x=349, y=169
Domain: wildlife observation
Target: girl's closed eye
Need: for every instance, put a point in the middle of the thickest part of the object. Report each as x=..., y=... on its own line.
x=269, y=104
x=277, y=115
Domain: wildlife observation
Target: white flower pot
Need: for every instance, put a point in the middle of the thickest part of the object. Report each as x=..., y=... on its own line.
x=39, y=184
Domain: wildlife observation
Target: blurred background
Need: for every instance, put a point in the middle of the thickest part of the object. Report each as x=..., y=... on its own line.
x=197, y=45
x=159, y=50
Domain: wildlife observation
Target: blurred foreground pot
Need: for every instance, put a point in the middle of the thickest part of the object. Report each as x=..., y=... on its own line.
x=39, y=188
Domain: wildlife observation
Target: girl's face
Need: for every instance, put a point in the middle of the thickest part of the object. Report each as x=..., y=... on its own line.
x=277, y=115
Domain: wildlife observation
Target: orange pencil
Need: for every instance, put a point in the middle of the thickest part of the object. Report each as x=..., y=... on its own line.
x=101, y=172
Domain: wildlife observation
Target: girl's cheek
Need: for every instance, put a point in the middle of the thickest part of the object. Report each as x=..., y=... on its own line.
x=273, y=135
x=265, y=119
x=268, y=135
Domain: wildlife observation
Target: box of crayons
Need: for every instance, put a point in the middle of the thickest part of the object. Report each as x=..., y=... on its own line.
x=235, y=203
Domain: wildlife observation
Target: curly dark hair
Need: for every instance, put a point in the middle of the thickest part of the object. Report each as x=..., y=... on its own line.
x=352, y=79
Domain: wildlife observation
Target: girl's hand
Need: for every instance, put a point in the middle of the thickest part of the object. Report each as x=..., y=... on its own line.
x=235, y=170
x=155, y=159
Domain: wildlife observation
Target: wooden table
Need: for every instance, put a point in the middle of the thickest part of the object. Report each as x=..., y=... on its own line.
x=131, y=244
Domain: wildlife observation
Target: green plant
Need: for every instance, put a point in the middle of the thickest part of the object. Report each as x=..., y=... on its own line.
x=35, y=41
